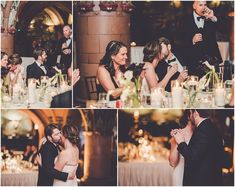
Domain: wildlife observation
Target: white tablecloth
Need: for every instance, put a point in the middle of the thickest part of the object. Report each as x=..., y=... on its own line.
x=38, y=104
x=24, y=178
x=139, y=173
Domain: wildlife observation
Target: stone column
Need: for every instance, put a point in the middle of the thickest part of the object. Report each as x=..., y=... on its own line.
x=7, y=39
x=94, y=31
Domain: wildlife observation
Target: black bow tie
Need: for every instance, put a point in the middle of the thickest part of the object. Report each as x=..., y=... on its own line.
x=172, y=60
x=42, y=65
x=200, y=17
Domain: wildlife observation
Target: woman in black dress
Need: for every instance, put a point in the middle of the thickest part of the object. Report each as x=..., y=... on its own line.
x=112, y=66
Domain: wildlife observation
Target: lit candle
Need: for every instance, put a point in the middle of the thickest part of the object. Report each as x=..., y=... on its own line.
x=205, y=103
x=177, y=94
x=156, y=97
x=32, y=90
x=219, y=95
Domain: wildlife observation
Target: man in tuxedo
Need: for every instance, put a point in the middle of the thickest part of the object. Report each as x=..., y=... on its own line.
x=37, y=69
x=168, y=59
x=203, y=155
x=64, y=50
x=200, y=35
x=49, y=152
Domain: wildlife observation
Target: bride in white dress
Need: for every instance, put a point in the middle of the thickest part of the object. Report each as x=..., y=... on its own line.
x=67, y=160
x=176, y=160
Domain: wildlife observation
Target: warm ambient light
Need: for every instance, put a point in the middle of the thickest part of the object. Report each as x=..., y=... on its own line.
x=133, y=44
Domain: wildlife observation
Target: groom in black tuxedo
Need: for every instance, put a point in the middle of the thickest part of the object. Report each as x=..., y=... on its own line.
x=203, y=154
x=200, y=36
x=38, y=69
x=49, y=152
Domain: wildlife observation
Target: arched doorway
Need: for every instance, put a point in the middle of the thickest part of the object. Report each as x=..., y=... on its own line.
x=39, y=23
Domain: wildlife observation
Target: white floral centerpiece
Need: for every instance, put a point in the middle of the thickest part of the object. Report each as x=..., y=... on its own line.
x=131, y=83
x=208, y=81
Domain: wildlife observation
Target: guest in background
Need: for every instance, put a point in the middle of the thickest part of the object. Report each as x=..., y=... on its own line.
x=168, y=60
x=16, y=73
x=37, y=69
x=64, y=50
x=27, y=153
x=111, y=67
x=152, y=55
x=200, y=34
x=4, y=62
x=33, y=155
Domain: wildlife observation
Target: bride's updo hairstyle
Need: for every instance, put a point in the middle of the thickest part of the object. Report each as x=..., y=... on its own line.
x=71, y=133
x=151, y=51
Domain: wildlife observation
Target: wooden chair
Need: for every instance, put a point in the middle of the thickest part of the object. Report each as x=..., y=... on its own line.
x=91, y=87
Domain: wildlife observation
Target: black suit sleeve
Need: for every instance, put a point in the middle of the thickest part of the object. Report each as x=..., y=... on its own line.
x=48, y=163
x=29, y=72
x=195, y=150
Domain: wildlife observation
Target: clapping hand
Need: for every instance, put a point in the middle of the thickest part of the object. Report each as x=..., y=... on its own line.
x=178, y=135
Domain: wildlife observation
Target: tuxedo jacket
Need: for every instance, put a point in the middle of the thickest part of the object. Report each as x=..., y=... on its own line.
x=47, y=173
x=65, y=60
x=208, y=47
x=203, y=156
x=34, y=71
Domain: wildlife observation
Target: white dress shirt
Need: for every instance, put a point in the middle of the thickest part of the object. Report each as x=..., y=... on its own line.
x=200, y=23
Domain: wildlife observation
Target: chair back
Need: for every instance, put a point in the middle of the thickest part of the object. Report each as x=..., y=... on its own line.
x=91, y=87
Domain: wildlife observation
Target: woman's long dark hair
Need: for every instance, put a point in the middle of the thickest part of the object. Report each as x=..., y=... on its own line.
x=151, y=51
x=112, y=48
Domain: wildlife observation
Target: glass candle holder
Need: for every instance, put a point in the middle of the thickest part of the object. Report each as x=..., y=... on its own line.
x=177, y=94
x=219, y=95
x=157, y=97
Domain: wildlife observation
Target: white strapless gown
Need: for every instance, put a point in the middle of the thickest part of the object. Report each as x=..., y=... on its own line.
x=178, y=173
x=67, y=168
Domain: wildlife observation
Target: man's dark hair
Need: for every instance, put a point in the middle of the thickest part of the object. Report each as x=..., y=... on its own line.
x=49, y=129
x=38, y=52
x=202, y=112
x=164, y=40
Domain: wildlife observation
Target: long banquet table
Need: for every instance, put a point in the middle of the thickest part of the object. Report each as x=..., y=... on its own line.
x=141, y=173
